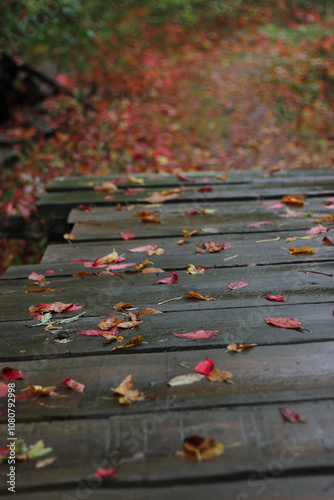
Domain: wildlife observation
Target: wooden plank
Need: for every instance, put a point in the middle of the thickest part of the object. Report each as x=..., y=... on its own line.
x=266, y=374
x=259, y=210
x=244, y=250
x=267, y=487
x=101, y=293
x=162, y=179
x=58, y=205
x=254, y=439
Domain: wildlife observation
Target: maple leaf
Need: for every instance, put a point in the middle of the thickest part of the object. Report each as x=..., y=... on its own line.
x=8, y=373
x=291, y=416
x=237, y=284
x=128, y=236
x=173, y=278
x=293, y=250
x=276, y=298
x=199, y=296
x=292, y=323
x=198, y=334
x=34, y=276
x=72, y=384
x=239, y=347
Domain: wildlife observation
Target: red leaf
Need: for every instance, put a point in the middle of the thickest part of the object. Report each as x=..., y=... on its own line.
x=237, y=284
x=173, y=278
x=34, y=276
x=128, y=236
x=9, y=373
x=49, y=272
x=205, y=189
x=317, y=230
x=102, y=473
x=284, y=322
x=4, y=451
x=204, y=367
x=199, y=334
x=256, y=224
x=291, y=416
x=3, y=389
x=72, y=384
x=182, y=177
x=79, y=260
x=277, y=298
x=193, y=211
x=73, y=307
x=84, y=208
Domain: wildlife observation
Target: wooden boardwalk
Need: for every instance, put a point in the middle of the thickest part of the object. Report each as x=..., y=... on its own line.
x=264, y=455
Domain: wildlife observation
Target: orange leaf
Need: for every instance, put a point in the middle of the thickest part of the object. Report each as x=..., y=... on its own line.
x=239, y=347
x=134, y=341
x=196, y=295
x=293, y=250
x=121, y=306
x=294, y=200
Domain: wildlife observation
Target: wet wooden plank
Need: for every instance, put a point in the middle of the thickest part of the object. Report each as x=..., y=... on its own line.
x=267, y=487
x=254, y=438
x=305, y=176
x=251, y=249
x=101, y=293
x=266, y=374
x=58, y=205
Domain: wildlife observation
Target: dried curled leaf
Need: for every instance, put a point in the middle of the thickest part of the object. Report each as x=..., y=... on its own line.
x=217, y=375
x=121, y=306
x=125, y=386
x=148, y=310
x=239, y=347
x=326, y=241
x=198, y=296
x=82, y=274
x=134, y=341
x=318, y=229
x=73, y=384
x=143, y=264
x=199, y=448
x=108, y=323
x=291, y=416
x=191, y=269
x=211, y=247
x=8, y=373
x=293, y=250
x=294, y=200
x=173, y=278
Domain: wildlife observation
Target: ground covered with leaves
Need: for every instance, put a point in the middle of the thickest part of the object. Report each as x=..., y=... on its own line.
x=255, y=93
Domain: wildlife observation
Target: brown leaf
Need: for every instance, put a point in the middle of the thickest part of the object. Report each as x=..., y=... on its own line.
x=294, y=200
x=148, y=310
x=150, y=219
x=152, y=270
x=125, y=385
x=158, y=251
x=44, y=290
x=121, y=306
x=198, y=296
x=82, y=273
x=217, y=375
x=106, y=324
x=197, y=447
x=326, y=241
x=143, y=264
x=293, y=250
x=134, y=341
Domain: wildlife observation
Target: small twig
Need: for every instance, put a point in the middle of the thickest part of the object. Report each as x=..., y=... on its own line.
x=314, y=272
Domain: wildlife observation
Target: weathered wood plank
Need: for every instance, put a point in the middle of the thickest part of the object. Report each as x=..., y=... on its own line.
x=58, y=205
x=305, y=176
x=270, y=486
x=255, y=440
x=265, y=374
x=101, y=293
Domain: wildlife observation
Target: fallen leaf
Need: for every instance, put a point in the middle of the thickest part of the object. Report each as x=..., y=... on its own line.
x=144, y=263
x=43, y=290
x=276, y=298
x=198, y=334
x=326, y=241
x=136, y=180
x=183, y=177
x=106, y=324
x=237, y=284
x=191, y=269
x=134, y=341
x=205, y=189
x=128, y=236
x=193, y=211
x=3, y=389
x=134, y=395
x=293, y=250
x=130, y=324
x=151, y=219
x=97, y=332
x=121, y=306
x=239, y=347
x=57, y=307
x=81, y=274
x=143, y=213
x=68, y=236
x=190, y=378
x=318, y=229
x=118, y=267
x=295, y=200
x=8, y=373
x=111, y=257
x=204, y=367
x=103, y=473
x=72, y=384
x=209, y=229
x=199, y=448
x=222, y=177
x=217, y=375
x=49, y=271
x=45, y=462
x=84, y=208
x=36, y=391
x=106, y=187
x=158, y=251
x=291, y=416
x=144, y=248
x=293, y=323
x=294, y=238
x=275, y=205
x=166, y=192
x=148, y=310
x=125, y=386
x=173, y=278
x=198, y=296
x=207, y=211
x=158, y=198
x=152, y=270
x=34, y=276
x=211, y=247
